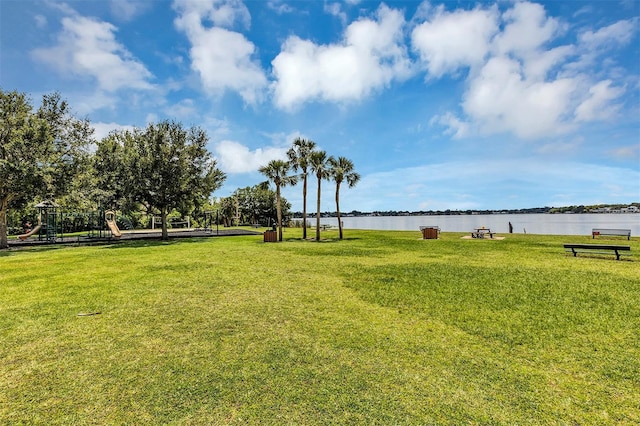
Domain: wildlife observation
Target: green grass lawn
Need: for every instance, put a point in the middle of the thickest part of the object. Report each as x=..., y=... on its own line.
x=381, y=328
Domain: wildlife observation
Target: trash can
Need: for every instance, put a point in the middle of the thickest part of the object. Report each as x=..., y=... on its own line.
x=430, y=233
x=270, y=236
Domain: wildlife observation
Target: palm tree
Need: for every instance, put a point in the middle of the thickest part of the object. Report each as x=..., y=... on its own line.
x=299, y=157
x=276, y=171
x=320, y=166
x=342, y=170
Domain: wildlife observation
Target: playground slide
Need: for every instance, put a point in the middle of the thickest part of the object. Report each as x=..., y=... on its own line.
x=110, y=217
x=30, y=233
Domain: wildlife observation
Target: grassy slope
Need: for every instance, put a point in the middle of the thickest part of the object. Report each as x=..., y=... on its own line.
x=377, y=329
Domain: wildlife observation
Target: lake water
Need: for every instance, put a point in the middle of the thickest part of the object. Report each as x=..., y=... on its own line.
x=550, y=224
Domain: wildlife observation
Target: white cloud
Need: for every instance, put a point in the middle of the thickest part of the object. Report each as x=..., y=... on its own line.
x=87, y=48
x=371, y=55
x=455, y=126
x=335, y=9
x=520, y=80
x=186, y=110
x=598, y=105
x=41, y=21
x=126, y=10
x=222, y=13
x=501, y=99
x=279, y=7
x=221, y=57
x=102, y=130
x=527, y=29
x=619, y=32
x=233, y=157
x=448, y=41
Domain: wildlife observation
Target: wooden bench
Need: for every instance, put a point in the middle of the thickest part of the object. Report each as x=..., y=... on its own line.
x=620, y=232
x=598, y=248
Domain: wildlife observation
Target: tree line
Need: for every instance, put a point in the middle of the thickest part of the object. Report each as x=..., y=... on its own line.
x=47, y=153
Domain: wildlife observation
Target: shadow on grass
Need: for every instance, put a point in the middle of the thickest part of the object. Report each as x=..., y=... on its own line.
x=12, y=250
x=322, y=240
x=156, y=242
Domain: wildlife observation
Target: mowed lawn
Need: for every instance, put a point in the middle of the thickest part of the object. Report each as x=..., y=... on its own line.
x=381, y=328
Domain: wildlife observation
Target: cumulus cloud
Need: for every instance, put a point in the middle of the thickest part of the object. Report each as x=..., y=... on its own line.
x=527, y=29
x=222, y=58
x=87, y=48
x=370, y=56
x=519, y=79
x=501, y=99
x=448, y=41
x=233, y=157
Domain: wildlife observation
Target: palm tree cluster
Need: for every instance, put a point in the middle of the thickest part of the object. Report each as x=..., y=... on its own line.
x=305, y=159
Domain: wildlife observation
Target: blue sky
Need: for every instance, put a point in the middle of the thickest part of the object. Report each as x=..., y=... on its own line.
x=454, y=105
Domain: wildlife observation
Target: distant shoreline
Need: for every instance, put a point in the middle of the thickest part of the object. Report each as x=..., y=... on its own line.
x=594, y=209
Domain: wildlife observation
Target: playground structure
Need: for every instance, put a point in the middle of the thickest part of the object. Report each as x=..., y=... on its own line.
x=54, y=225
x=33, y=231
x=110, y=218
x=102, y=227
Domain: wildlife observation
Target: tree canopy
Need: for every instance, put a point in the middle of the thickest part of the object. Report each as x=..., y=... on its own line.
x=164, y=167
x=41, y=152
x=50, y=154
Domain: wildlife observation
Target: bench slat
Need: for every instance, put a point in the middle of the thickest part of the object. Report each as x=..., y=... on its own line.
x=585, y=248
x=609, y=231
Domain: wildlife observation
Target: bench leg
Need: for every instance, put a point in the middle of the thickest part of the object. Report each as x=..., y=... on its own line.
x=617, y=255
x=575, y=253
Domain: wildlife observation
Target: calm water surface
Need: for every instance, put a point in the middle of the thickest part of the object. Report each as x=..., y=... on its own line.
x=550, y=224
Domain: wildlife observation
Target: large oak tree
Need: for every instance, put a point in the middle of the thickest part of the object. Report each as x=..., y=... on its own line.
x=165, y=167
x=41, y=152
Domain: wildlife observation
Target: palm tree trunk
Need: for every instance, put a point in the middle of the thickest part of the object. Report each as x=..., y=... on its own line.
x=318, y=214
x=338, y=208
x=279, y=213
x=304, y=207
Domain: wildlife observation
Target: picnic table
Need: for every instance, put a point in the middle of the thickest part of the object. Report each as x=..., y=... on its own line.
x=481, y=232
